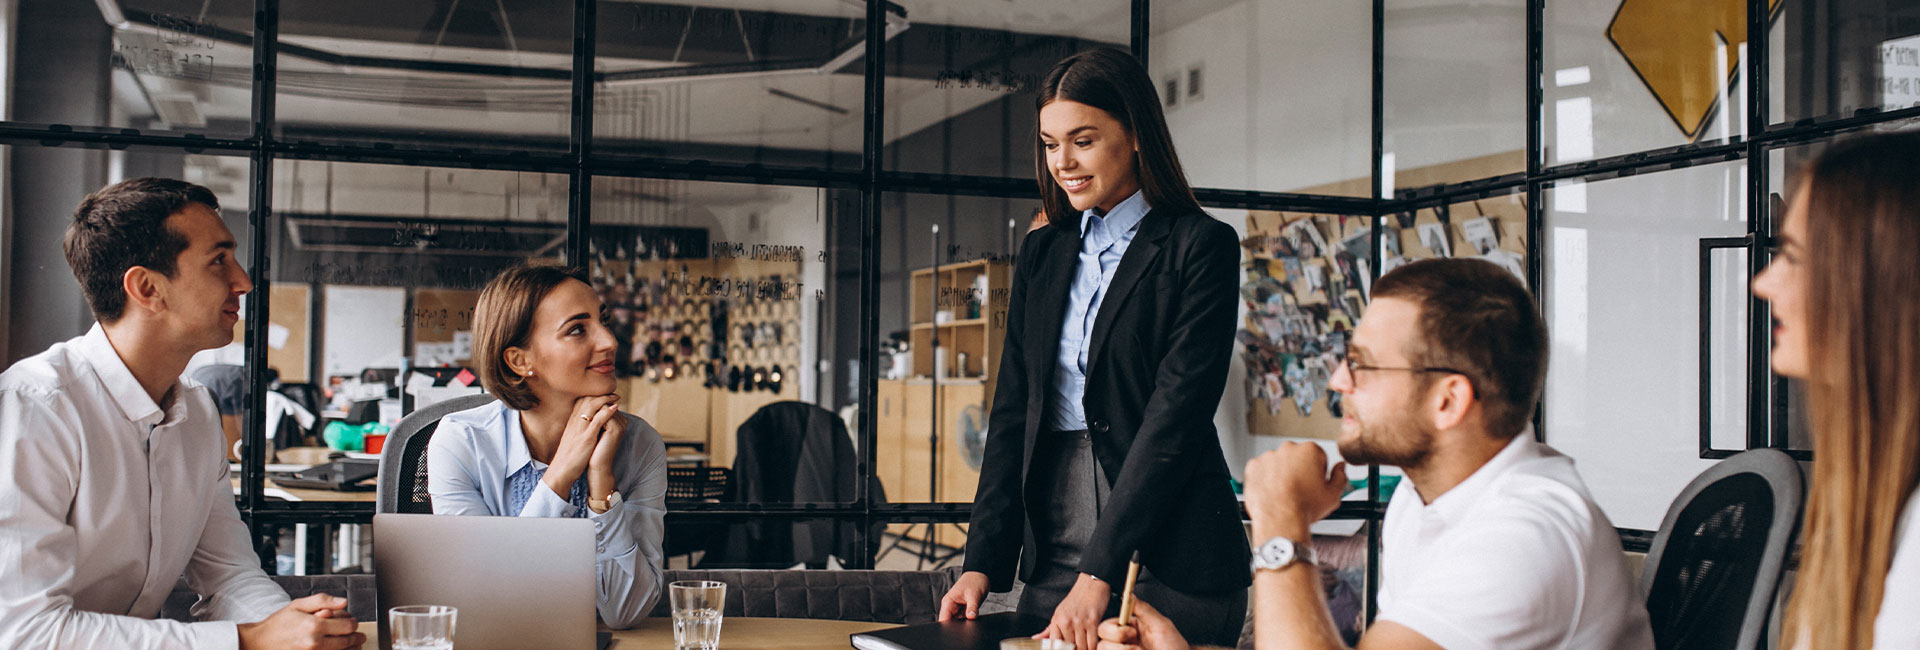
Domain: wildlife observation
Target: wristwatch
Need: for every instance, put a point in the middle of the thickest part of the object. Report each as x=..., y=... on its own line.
x=1280, y=552
x=601, y=507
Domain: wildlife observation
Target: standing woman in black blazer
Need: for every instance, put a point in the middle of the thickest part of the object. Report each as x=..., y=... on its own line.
x=1101, y=440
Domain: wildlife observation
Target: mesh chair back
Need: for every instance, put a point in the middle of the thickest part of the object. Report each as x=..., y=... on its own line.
x=1714, y=567
x=403, y=460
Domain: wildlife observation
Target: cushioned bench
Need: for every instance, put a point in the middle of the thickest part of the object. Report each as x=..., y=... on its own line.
x=359, y=590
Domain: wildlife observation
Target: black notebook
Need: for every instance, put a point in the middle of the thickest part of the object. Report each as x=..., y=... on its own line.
x=983, y=633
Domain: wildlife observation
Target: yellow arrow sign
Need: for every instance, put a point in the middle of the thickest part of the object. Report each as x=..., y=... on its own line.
x=1674, y=45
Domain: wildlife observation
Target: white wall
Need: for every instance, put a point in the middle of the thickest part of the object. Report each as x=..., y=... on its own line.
x=1623, y=309
x=1454, y=82
x=1287, y=102
x=1622, y=270
x=1286, y=107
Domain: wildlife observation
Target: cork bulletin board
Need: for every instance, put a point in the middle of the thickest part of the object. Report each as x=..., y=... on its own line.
x=1306, y=280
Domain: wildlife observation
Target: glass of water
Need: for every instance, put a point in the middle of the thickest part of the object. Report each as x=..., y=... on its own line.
x=696, y=613
x=421, y=627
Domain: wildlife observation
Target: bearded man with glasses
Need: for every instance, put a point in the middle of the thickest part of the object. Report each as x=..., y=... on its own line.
x=1492, y=541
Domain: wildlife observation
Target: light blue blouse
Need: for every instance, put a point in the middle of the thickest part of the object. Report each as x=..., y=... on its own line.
x=1104, y=241
x=475, y=455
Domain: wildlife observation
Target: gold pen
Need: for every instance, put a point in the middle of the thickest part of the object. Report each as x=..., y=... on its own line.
x=1126, y=594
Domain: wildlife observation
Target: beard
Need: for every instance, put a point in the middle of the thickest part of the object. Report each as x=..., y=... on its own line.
x=1399, y=441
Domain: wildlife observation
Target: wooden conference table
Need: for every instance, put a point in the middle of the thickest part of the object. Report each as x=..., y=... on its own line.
x=736, y=633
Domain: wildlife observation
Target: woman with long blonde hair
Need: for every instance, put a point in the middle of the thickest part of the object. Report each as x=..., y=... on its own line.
x=1845, y=290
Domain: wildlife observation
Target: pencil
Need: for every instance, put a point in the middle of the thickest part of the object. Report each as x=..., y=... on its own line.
x=1126, y=594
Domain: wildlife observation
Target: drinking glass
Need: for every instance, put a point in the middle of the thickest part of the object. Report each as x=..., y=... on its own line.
x=422, y=627
x=697, y=605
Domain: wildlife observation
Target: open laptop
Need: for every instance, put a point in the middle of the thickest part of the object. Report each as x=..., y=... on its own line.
x=520, y=583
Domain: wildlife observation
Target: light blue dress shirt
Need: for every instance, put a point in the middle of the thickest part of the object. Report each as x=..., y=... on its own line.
x=522, y=483
x=479, y=456
x=1103, y=241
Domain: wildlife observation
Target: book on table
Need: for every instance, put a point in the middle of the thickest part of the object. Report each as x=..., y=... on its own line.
x=982, y=633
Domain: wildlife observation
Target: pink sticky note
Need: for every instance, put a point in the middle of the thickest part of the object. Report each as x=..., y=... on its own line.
x=465, y=377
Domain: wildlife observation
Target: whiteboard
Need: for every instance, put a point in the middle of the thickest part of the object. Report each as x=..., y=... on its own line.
x=365, y=328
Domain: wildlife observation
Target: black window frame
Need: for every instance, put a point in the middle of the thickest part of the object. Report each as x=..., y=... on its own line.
x=1767, y=426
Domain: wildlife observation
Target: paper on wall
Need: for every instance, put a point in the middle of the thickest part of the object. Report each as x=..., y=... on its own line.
x=277, y=336
x=417, y=382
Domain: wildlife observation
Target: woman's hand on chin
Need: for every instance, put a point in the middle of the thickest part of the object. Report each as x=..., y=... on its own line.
x=606, y=452
x=575, y=454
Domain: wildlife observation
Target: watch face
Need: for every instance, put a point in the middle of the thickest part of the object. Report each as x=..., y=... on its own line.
x=1275, y=554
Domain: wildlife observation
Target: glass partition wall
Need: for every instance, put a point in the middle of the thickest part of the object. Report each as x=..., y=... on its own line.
x=816, y=205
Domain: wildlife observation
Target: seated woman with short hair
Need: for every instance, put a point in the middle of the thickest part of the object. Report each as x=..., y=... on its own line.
x=556, y=443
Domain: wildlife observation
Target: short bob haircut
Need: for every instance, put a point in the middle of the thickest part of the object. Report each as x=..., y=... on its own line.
x=504, y=318
x=1115, y=82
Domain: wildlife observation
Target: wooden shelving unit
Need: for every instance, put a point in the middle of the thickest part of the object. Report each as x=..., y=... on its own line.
x=974, y=297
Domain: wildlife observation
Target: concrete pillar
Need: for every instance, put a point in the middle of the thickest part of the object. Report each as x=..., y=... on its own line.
x=61, y=76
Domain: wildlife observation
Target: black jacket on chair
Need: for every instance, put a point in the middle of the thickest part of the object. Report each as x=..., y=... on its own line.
x=1156, y=366
x=792, y=452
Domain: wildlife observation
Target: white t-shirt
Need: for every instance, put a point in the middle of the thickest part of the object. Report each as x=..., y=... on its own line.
x=1896, y=626
x=1515, y=557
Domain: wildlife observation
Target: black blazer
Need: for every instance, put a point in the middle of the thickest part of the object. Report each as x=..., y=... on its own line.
x=1156, y=366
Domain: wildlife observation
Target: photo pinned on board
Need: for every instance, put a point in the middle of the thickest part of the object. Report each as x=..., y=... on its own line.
x=1434, y=237
x=1316, y=276
x=1480, y=234
x=1305, y=238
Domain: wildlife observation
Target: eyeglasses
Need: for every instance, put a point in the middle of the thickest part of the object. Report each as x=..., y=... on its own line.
x=1354, y=370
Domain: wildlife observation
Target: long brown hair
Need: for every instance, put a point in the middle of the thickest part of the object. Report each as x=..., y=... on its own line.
x=1115, y=82
x=1862, y=299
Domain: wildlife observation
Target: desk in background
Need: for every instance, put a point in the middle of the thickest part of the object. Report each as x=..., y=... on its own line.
x=311, y=544
x=736, y=633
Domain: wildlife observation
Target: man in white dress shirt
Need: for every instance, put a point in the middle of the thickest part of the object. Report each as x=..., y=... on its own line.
x=1492, y=540
x=113, y=480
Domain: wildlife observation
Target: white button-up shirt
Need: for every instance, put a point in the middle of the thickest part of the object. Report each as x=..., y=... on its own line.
x=1895, y=626
x=106, y=500
x=1516, y=556
x=472, y=454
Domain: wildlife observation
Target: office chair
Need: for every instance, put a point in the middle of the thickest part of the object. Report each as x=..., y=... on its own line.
x=791, y=452
x=307, y=395
x=1715, y=566
x=402, y=485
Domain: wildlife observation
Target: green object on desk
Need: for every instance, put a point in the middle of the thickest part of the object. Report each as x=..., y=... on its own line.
x=351, y=437
x=1387, y=485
